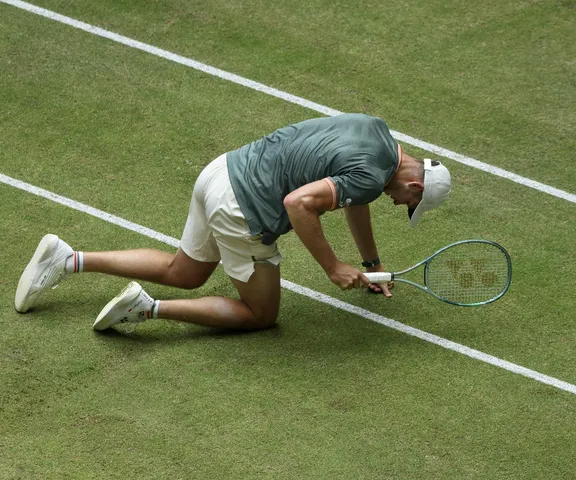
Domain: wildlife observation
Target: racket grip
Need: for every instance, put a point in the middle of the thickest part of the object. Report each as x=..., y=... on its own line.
x=376, y=277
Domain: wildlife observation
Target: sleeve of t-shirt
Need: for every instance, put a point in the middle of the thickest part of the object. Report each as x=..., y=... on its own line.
x=356, y=187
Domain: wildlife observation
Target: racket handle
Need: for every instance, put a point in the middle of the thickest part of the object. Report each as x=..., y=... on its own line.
x=376, y=277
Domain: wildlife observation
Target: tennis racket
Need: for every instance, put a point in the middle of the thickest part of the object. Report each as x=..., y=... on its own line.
x=465, y=273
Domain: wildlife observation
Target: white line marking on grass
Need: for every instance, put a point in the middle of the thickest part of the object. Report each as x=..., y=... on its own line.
x=107, y=217
x=320, y=297
x=471, y=162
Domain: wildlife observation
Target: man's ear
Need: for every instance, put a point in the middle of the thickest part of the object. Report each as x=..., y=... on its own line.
x=419, y=186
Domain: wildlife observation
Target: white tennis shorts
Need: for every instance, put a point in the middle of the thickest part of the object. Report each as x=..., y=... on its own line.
x=216, y=229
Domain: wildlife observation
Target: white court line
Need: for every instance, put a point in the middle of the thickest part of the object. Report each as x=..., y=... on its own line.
x=429, y=147
x=393, y=324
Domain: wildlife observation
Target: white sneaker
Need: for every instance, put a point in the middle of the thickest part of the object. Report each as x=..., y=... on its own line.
x=45, y=270
x=132, y=304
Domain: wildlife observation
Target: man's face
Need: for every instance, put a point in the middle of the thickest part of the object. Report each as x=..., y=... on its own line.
x=408, y=194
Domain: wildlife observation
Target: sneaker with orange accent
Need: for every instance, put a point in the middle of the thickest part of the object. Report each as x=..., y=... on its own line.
x=45, y=270
x=131, y=305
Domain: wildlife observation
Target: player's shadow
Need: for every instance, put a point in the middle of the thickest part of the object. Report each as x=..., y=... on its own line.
x=178, y=335
x=285, y=340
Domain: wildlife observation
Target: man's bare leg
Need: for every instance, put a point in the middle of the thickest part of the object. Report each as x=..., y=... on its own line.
x=176, y=270
x=257, y=308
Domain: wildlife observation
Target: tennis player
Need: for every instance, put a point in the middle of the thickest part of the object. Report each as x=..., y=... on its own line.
x=241, y=203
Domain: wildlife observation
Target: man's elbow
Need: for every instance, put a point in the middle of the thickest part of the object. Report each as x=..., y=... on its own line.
x=297, y=202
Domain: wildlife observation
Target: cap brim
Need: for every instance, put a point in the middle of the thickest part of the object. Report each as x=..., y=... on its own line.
x=416, y=213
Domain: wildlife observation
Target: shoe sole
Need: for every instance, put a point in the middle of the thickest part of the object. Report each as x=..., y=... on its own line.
x=108, y=317
x=23, y=301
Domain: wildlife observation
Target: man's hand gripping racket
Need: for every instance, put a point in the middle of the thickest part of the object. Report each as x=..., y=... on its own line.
x=381, y=287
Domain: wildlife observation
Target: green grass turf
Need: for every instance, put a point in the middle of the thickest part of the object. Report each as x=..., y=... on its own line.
x=326, y=394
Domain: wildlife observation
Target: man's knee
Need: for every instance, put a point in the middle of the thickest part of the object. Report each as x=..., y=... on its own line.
x=264, y=315
x=261, y=322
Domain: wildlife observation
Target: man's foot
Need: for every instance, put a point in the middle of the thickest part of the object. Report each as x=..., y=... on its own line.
x=45, y=270
x=132, y=304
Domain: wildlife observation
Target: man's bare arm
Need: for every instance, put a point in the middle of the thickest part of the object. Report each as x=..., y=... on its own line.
x=358, y=218
x=360, y=224
x=304, y=207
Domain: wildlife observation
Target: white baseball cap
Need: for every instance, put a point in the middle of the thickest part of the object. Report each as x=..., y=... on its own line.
x=436, y=190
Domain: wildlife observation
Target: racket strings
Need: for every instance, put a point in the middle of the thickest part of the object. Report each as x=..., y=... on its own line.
x=471, y=273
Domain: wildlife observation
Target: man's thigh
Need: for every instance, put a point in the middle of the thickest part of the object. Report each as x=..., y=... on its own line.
x=261, y=293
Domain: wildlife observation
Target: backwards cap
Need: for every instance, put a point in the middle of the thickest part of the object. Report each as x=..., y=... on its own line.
x=436, y=190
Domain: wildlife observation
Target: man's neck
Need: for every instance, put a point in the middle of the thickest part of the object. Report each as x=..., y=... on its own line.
x=408, y=168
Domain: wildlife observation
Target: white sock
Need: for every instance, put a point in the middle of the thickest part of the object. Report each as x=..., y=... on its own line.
x=75, y=263
x=153, y=313
x=154, y=309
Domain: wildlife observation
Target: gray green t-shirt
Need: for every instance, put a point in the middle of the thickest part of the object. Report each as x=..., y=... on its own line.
x=356, y=151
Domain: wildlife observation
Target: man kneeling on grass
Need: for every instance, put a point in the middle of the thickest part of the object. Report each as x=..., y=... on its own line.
x=241, y=203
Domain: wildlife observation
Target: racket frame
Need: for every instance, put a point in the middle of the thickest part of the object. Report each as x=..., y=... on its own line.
x=376, y=277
